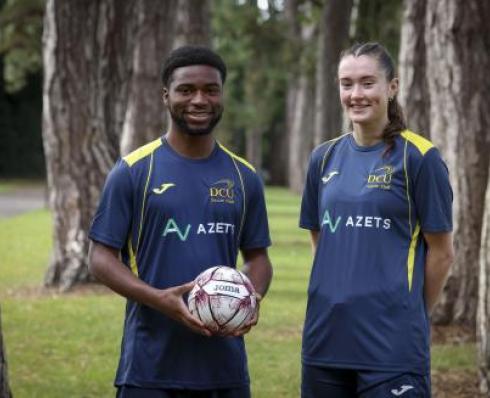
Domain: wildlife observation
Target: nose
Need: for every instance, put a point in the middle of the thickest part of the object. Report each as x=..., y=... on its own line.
x=198, y=97
x=357, y=91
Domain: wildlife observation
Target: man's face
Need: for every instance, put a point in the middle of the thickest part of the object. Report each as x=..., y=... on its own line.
x=194, y=98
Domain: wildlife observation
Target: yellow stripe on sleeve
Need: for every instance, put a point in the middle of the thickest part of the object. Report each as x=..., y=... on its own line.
x=421, y=143
x=142, y=214
x=244, y=205
x=407, y=188
x=142, y=152
x=132, y=258
x=131, y=159
x=241, y=160
x=411, y=255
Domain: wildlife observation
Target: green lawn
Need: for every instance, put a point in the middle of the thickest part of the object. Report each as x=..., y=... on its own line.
x=13, y=184
x=68, y=345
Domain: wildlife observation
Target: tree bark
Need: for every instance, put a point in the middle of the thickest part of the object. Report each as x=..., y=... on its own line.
x=333, y=38
x=193, y=23
x=4, y=381
x=414, y=91
x=254, y=147
x=483, y=313
x=86, y=69
x=301, y=132
x=300, y=97
x=458, y=61
x=278, y=156
x=154, y=35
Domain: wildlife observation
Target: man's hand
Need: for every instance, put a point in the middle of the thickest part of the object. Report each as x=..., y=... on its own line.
x=172, y=304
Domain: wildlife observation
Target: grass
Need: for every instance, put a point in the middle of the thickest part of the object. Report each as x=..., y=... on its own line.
x=25, y=243
x=68, y=345
x=13, y=184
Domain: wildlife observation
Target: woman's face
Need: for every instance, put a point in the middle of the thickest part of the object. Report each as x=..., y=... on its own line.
x=365, y=90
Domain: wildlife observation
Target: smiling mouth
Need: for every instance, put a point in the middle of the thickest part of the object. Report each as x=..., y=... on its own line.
x=198, y=116
x=358, y=107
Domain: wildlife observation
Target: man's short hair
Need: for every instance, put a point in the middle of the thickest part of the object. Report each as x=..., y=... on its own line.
x=192, y=55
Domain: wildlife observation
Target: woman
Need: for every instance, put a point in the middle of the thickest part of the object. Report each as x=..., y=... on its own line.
x=377, y=202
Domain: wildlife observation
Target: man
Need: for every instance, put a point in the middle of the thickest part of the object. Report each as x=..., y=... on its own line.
x=170, y=210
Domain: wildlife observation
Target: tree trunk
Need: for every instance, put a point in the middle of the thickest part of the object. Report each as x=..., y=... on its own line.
x=458, y=61
x=278, y=156
x=301, y=133
x=193, y=23
x=154, y=38
x=4, y=381
x=254, y=147
x=483, y=318
x=333, y=38
x=414, y=90
x=300, y=97
x=85, y=56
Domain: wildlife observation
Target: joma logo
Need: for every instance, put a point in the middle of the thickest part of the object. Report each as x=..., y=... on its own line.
x=226, y=288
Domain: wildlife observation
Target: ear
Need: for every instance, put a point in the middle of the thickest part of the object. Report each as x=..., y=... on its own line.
x=393, y=87
x=165, y=95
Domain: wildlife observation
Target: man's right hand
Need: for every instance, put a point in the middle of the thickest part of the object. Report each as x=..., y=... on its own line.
x=172, y=304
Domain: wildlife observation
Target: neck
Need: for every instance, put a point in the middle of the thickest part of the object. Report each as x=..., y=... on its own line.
x=369, y=134
x=190, y=146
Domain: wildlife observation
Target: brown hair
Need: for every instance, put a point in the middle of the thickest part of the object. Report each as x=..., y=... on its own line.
x=396, y=119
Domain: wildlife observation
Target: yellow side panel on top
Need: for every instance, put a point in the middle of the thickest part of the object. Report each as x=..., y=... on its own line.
x=422, y=144
x=142, y=152
x=241, y=160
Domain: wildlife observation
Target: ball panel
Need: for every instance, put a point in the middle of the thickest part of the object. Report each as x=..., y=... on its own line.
x=223, y=308
x=191, y=300
x=242, y=316
x=204, y=311
x=227, y=274
x=205, y=276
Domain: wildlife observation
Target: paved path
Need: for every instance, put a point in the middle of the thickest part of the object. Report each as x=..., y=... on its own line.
x=21, y=200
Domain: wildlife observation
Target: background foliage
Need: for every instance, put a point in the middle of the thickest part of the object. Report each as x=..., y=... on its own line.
x=21, y=151
x=253, y=41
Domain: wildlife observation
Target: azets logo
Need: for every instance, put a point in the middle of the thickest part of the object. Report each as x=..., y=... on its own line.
x=334, y=223
x=327, y=220
x=172, y=228
x=381, y=178
x=222, y=191
x=163, y=188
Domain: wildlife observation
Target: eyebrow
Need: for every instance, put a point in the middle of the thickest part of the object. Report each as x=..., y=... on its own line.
x=193, y=84
x=361, y=78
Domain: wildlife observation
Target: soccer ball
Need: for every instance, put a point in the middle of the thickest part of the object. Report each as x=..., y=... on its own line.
x=223, y=299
